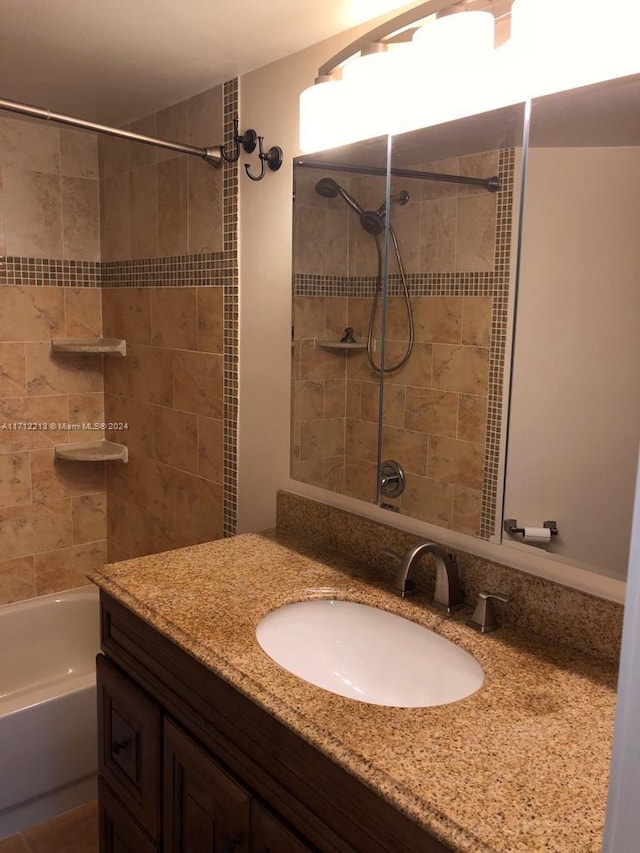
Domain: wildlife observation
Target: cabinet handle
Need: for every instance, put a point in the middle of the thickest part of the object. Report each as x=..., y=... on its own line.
x=230, y=843
x=118, y=745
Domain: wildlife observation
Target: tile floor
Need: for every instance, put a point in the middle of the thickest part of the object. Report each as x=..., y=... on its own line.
x=72, y=832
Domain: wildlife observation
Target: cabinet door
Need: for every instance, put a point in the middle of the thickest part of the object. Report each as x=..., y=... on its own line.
x=129, y=744
x=270, y=835
x=119, y=833
x=205, y=811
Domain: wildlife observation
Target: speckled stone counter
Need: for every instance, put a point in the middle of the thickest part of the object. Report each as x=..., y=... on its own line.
x=522, y=765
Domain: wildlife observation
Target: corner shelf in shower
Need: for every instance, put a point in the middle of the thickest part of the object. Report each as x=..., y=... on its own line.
x=97, y=346
x=326, y=343
x=94, y=451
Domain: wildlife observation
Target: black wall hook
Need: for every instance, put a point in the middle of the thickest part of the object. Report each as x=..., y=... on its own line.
x=247, y=141
x=272, y=158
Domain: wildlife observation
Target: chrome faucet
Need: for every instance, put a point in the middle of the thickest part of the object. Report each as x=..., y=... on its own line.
x=448, y=594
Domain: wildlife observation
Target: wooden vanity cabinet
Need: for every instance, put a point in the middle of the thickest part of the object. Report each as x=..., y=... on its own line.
x=189, y=764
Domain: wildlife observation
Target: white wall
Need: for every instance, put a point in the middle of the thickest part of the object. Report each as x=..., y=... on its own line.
x=575, y=410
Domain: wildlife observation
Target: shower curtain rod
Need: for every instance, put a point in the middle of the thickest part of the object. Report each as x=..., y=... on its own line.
x=491, y=184
x=212, y=154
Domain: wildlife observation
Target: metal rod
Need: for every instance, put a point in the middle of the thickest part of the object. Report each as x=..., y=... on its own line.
x=212, y=154
x=492, y=184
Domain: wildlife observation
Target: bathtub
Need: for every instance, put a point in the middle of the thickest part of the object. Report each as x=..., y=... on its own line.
x=47, y=706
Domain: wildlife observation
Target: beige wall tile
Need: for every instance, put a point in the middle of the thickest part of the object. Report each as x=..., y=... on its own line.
x=115, y=218
x=476, y=233
x=439, y=189
x=35, y=528
x=129, y=531
x=417, y=371
x=405, y=221
x=393, y=404
x=198, y=508
x=363, y=257
x=308, y=470
x=210, y=314
x=361, y=440
x=197, y=383
x=433, y=412
x=86, y=408
x=172, y=124
x=309, y=240
x=204, y=207
x=33, y=213
x=89, y=516
x=210, y=449
x=397, y=328
x=438, y=235
x=308, y=401
x=322, y=438
x=17, y=580
x=31, y=313
x=354, y=400
x=337, y=242
x=141, y=155
x=15, y=479
x=408, y=447
x=78, y=154
x=49, y=373
x=174, y=317
x=13, y=381
x=151, y=374
x=459, y=368
x=27, y=145
x=67, y=568
x=317, y=363
x=309, y=316
x=175, y=438
x=360, y=479
x=117, y=375
x=476, y=320
x=80, y=219
x=472, y=418
x=482, y=165
x=3, y=250
x=53, y=480
x=144, y=212
x=438, y=319
x=113, y=156
x=83, y=312
x=335, y=317
x=172, y=207
x=335, y=392
x=358, y=311
x=427, y=499
x=458, y=462
x=358, y=368
x=126, y=313
x=333, y=474
x=152, y=487
x=204, y=118
x=467, y=510
x=32, y=410
x=138, y=437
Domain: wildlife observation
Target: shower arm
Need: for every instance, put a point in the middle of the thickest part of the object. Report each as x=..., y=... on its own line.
x=213, y=154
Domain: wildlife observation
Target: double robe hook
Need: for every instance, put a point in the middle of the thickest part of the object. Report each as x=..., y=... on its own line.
x=247, y=142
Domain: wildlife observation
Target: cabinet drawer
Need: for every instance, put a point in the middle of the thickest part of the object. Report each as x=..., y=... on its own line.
x=129, y=744
x=119, y=833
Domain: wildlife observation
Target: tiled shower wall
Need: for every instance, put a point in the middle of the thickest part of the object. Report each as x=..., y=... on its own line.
x=436, y=407
x=164, y=274
x=165, y=281
x=52, y=515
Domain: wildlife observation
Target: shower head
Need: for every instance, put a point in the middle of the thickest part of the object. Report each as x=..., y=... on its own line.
x=372, y=221
x=328, y=188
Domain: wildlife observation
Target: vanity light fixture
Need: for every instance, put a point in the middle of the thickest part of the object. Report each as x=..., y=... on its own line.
x=444, y=60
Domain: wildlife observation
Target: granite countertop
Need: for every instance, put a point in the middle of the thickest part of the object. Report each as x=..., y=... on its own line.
x=521, y=765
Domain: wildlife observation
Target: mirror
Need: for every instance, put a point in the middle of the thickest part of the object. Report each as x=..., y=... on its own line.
x=448, y=277
x=574, y=423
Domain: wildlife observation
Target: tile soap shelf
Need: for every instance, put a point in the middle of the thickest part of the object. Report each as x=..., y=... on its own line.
x=94, y=451
x=326, y=343
x=99, y=346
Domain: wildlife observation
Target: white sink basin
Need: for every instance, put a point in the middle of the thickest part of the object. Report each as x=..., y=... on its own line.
x=368, y=654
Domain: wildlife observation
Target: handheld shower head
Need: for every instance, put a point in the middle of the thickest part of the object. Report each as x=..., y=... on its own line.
x=328, y=188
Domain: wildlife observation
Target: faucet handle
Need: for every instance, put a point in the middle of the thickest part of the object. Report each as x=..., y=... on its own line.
x=484, y=616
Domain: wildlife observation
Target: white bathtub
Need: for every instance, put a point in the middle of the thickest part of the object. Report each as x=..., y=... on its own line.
x=47, y=706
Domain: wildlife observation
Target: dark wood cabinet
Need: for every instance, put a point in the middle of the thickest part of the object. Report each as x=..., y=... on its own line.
x=189, y=764
x=205, y=811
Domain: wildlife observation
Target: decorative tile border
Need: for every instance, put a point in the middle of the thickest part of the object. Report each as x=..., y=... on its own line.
x=231, y=302
x=211, y=268
x=49, y=272
x=493, y=284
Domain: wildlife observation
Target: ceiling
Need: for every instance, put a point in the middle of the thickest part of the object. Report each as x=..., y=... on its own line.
x=120, y=60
